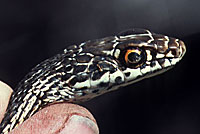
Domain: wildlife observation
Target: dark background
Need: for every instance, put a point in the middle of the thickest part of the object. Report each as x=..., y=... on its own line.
x=31, y=31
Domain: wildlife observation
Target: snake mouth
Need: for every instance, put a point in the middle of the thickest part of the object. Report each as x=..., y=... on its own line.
x=169, y=56
x=174, y=55
x=168, y=60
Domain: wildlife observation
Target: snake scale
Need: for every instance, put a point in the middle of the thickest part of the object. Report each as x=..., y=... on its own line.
x=90, y=69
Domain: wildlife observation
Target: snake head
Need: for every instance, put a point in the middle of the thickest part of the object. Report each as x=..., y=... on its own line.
x=106, y=64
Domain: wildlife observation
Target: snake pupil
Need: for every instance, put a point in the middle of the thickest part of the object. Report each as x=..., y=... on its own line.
x=134, y=57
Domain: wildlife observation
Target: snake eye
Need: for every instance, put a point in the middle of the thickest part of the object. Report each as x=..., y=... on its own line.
x=134, y=57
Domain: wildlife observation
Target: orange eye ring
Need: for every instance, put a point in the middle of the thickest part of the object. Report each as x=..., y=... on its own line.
x=134, y=57
x=129, y=52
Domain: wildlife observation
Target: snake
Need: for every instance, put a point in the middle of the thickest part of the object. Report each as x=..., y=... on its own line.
x=92, y=68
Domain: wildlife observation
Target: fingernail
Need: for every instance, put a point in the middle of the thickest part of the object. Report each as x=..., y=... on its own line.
x=4, y=87
x=80, y=125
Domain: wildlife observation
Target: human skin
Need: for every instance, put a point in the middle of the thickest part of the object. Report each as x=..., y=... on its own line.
x=60, y=118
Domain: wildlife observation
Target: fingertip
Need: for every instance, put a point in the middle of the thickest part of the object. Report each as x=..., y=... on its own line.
x=5, y=93
x=79, y=125
x=59, y=119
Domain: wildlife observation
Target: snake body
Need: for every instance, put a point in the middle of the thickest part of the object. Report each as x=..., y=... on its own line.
x=90, y=69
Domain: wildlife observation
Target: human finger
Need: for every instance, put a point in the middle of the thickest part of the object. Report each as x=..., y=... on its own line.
x=61, y=118
x=5, y=93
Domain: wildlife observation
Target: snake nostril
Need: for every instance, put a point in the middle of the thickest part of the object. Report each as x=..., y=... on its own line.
x=182, y=47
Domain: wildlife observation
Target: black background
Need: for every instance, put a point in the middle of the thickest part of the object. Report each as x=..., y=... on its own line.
x=31, y=31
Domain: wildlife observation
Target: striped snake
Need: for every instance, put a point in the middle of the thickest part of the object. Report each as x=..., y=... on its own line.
x=90, y=69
